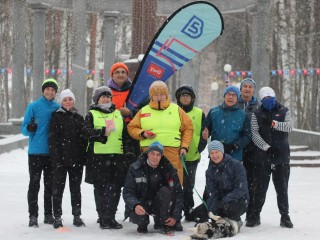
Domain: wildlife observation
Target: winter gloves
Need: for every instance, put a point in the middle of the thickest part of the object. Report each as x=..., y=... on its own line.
x=272, y=151
x=32, y=126
x=228, y=148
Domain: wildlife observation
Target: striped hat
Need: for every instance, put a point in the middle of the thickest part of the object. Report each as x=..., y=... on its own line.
x=215, y=145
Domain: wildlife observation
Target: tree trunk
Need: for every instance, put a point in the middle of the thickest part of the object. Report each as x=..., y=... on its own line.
x=92, y=54
x=5, y=60
x=284, y=52
x=292, y=56
x=314, y=84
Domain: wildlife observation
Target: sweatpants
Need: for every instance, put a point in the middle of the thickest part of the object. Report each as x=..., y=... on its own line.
x=280, y=177
x=37, y=165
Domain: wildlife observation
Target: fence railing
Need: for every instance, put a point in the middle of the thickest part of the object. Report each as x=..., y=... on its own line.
x=304, y=137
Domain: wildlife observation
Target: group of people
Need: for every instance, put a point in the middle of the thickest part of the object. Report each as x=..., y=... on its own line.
x=153, y=154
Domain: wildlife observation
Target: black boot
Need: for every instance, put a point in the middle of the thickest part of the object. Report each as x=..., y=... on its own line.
x=285, y=221
x=142, y=229
x=104, y=224
x=166, y=230
x=48, y=219
x=57, y=223
x=33, y=221
x=253, y=221
x=78, y=222
x=178, y=227
x=114, y=224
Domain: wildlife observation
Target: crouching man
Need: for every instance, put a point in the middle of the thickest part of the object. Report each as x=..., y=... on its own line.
x=227, y=187
x=152, y=188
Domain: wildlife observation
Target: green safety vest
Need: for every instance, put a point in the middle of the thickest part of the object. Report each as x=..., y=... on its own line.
x=114, y=143
x=196, y=117
x=164, y=123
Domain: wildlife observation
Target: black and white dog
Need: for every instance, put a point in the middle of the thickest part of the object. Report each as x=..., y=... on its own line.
x=218, y=228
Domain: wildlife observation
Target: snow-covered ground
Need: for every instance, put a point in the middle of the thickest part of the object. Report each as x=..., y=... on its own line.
x=304, y=198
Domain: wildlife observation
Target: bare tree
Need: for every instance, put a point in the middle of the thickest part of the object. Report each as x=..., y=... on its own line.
x=314, y=103
x=5, y=59
x=284, y=54
x=144, y=25
x=93, y=20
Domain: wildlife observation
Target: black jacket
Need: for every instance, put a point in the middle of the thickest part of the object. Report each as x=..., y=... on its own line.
x=104, y=168
x=276, y=139
x=226, y=182
x=249, y=108
x=135, y=190
x=66, y=144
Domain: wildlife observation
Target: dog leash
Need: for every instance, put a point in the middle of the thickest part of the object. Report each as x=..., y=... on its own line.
x=183, y=159
x=150, y=214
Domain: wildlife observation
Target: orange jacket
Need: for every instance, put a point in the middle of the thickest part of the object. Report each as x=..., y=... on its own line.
x=118, y=98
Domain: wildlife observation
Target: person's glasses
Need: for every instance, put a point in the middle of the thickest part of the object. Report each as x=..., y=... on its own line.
x=231, y=94
x=119, y=72
x=186, y=96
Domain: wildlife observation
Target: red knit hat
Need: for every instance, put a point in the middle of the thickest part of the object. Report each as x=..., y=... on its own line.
x=117, y=65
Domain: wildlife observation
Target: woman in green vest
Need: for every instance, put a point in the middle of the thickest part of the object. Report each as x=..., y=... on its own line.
x=106, y=165
x=186, y=97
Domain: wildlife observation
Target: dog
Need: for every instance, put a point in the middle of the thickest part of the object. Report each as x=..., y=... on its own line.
x=219, y=228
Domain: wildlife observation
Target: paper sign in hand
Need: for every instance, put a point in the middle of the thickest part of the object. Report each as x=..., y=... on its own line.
x=110, y=125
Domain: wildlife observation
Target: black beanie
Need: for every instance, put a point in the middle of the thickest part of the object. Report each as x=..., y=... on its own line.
x=185, y=89
x=50, y=83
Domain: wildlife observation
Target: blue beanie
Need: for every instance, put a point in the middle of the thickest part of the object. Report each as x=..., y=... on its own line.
x=156, y=146
x=232, y=89
x=248, y=80
x=215, y=145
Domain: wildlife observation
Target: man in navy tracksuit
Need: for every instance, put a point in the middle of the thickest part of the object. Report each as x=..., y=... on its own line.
x=36, y=125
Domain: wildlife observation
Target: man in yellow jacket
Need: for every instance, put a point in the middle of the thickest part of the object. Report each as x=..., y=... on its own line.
x=164, y=122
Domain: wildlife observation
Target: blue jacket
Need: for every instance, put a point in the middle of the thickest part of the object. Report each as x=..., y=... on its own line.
x=229, y=125
x=41, y=110
x=226, y=182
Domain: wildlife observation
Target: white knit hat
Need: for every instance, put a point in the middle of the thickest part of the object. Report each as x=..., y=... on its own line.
x=66, y=93
x=266, y=92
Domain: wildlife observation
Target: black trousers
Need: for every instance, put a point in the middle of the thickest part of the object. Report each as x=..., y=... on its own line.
x=107, y=197
x=280, y=177
x=59, y=182
x=188, y=185
x=37, y=165
x=249, y=166
x=232, y=210
x=159, y=207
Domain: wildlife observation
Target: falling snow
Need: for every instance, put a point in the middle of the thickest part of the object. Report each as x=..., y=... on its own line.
x=304, y=200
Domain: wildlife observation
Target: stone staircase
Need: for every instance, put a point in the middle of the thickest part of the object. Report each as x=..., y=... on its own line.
x=301, y=156
x=11, y=142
